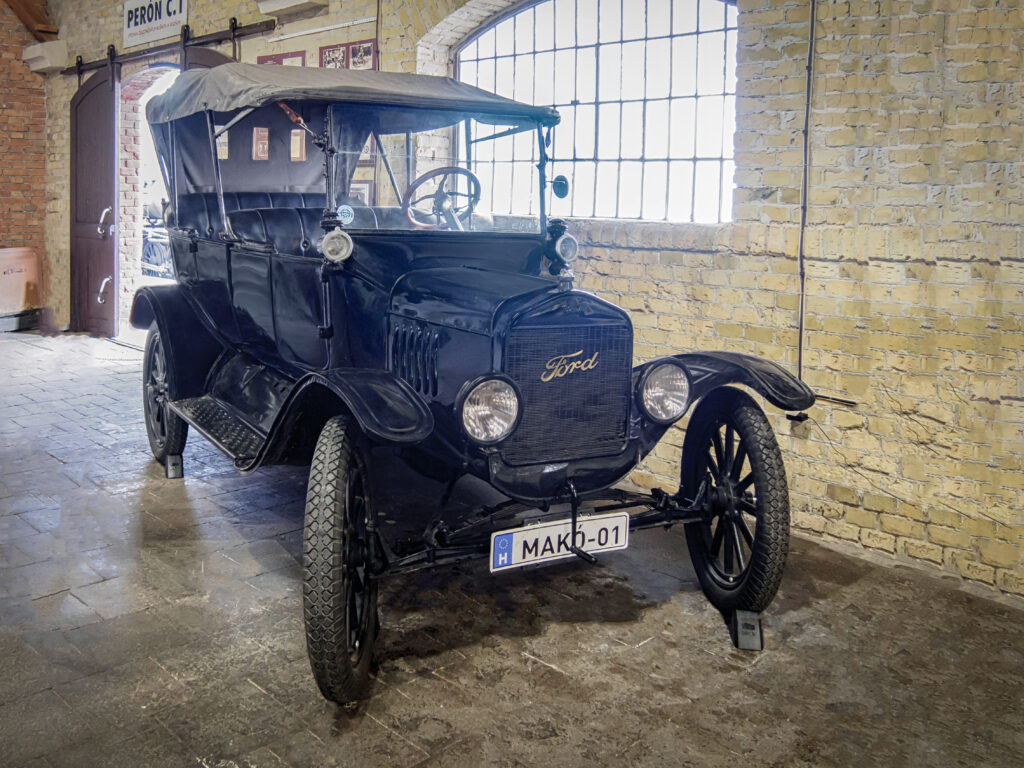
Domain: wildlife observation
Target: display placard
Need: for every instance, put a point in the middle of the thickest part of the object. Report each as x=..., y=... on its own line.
x=148, y=20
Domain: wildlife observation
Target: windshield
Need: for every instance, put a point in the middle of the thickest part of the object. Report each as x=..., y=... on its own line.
x=458, y=176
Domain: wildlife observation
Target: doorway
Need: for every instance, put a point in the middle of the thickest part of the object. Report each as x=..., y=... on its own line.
x=143, y=254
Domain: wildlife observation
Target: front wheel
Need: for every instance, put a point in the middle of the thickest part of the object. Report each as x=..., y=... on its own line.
x=732, y=465
x=339, y=592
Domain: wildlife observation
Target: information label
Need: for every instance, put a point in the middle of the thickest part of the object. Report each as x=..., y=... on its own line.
x=148, y=20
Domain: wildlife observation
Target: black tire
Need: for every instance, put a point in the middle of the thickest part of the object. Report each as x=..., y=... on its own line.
x=738, y=569
x=167, y=432
x=339, y=593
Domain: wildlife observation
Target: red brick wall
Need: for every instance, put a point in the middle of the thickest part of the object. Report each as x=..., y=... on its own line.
x=22, y=139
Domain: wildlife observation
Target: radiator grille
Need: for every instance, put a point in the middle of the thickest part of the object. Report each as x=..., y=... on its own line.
x=414, y=356
x=581, y=414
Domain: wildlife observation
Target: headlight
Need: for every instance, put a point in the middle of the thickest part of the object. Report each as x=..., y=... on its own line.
x=490, y=411
x=336, y=246
x=567, y=247
x=665, y=392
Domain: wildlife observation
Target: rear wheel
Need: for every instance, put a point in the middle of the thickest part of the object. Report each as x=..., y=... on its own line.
x=167, y=432
x=732, y=465
x=339, y=593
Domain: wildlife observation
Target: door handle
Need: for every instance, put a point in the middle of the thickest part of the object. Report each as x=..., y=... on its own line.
x=103, y=287
x=100, y=229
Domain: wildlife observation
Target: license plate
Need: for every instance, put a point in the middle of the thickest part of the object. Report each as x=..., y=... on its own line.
x=551, y=541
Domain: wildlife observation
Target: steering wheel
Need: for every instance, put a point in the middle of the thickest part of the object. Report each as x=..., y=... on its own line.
x=448, y=214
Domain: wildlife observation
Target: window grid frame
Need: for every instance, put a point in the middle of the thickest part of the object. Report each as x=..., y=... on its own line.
x=729, y=30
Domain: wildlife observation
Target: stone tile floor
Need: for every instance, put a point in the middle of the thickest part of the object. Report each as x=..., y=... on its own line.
x=151, y=622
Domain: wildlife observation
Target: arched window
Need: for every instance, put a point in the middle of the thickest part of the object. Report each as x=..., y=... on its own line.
x=646, y=90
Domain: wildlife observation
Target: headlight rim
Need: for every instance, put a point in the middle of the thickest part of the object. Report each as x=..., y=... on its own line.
x=641, y=383
x=467, y=389
x=342, y=234
x=569, y=238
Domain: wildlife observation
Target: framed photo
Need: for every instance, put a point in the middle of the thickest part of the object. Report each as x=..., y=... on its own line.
x=362, y=55
x=334, y=56
x=362, y=190
x=293, y=59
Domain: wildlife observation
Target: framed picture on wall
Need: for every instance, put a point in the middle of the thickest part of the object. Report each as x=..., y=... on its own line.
x=334, y=56
x=362, y=55
x=361, y=190
x=293, y=59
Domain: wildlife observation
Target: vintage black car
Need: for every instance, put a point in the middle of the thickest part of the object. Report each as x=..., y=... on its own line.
x=344, y=286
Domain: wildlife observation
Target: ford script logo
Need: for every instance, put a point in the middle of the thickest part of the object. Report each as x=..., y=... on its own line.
x=563, y=365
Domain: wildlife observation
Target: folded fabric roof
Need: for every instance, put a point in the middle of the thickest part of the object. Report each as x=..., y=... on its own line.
x=234, y=86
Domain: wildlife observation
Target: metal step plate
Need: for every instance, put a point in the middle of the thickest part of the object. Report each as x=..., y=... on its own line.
x=232, y=435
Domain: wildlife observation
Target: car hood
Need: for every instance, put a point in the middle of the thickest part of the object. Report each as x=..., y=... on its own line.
x=466, y=298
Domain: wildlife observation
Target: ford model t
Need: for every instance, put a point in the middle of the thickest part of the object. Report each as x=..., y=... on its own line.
x=346, y=284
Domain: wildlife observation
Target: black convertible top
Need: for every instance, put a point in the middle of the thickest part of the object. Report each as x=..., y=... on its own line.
x=233, y=86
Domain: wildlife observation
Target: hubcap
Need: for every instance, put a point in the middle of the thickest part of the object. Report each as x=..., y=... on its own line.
x=730, y=506
x=156, y=392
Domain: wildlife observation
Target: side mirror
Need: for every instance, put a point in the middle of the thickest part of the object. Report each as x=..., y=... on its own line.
x=560, y=186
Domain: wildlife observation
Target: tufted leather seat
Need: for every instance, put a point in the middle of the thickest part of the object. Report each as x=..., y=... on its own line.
x=201, y=212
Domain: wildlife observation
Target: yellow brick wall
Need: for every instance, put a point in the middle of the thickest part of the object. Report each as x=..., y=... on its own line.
x=914, y=251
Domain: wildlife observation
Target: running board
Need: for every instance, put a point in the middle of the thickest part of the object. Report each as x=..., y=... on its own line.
x=218, y=424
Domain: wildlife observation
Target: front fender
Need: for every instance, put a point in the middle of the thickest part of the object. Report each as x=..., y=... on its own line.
x=384, y=405
x=710, y=370
x=190, y=347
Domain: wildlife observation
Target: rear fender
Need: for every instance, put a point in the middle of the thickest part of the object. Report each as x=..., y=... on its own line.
x=190, y=347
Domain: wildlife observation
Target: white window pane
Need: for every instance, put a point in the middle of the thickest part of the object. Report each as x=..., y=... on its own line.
x=633, y=61
x=485, y=44
x=680, y=191
x=485, y=75
x=565, y=23
x=544, y=79
x=610, y=23
x=712, y=15
x=565, y=68
x=684, y=66
x=586, y=75
x=633, y=20
x=709, y=126
x=728, y=184
x=503, y=81
x=630, y=189
x=656, y=129
x=586, y=22
x=585, y=117
x=655, y=188
x=731, y=15
x=607, y=193
x=501, y=191
x=731, y=47
x=684, y=17
x=706, y=203
x=728, y=125
x=582, y=190
x=523, y=78
x=504, y=38
x=658, y=68
x=658, y=17
x=524, y=31
x=711, y=63
x=608, y=132
x=563, y=134
x=469, y=52
x=468, y=72
x=610, y=87
x=682, y=136
x=523, y=186
x=632, y=129
x=545, y=26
